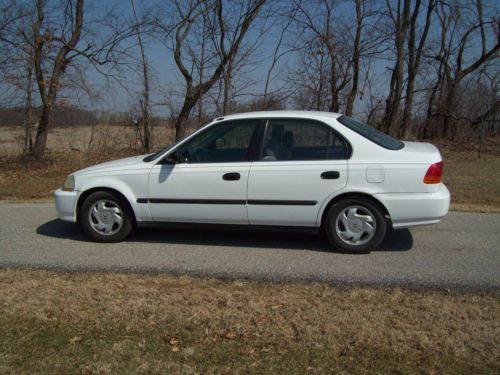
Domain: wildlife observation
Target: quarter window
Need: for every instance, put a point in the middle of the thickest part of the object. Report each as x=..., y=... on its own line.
x=372, y=134
x=224, y=143
x=301, y=140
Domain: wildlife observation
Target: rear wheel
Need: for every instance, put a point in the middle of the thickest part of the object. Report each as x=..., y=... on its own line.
x=106, y=217
x=355, y=225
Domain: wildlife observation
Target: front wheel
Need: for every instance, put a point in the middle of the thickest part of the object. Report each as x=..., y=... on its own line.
x=106, y=217
x=355, y=225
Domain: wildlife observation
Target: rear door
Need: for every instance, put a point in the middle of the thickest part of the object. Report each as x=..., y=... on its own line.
x=301, y=163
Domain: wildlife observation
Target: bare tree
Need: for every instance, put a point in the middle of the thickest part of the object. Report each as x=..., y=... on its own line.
x=16, y=62
x=145, y=107
x=267, y=99
x=413, y=62
x=324, y=58
x=229, y=43
x=330, y=55
x=28, y=108
x=442, y=58
x=48, y=87
x=44, y=53
x=374, y=104
x=356, y=57
x=234, y=83
x=457, y=31
x=400, y=18
x=201, y=67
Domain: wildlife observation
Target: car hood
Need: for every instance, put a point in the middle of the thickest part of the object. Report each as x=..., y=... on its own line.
x=121, y=164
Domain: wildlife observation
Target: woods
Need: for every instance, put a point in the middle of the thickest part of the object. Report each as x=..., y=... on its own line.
x=425, y=69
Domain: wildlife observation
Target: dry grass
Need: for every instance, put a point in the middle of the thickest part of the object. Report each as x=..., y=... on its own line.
x=473, y=181
x=56, y=323
x=81, y=138
x=36, y=181
x=69, y=149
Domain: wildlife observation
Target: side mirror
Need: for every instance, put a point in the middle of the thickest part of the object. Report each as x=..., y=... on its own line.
x=172, y=158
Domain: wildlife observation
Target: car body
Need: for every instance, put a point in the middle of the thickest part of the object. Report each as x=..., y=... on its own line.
x=267, y=169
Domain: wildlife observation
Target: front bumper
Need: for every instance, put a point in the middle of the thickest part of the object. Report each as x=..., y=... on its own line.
x=66, y=204
x=414, y=209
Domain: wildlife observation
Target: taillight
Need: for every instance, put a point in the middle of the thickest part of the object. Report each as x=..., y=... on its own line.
x=434, y=173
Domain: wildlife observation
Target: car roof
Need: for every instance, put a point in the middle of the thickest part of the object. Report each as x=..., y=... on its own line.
x=299, y=114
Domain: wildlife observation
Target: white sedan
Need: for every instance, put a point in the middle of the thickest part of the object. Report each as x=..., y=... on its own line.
x=318, y=171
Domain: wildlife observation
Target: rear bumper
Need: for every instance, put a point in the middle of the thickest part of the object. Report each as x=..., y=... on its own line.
x=414, y=209
x=66, y=204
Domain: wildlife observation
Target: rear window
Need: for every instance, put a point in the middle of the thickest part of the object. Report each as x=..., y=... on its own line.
x=372, y=134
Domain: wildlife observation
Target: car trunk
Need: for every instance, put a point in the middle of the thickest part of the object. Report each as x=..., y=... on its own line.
x=420, y=152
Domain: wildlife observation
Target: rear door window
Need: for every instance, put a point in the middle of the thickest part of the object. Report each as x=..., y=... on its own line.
x=301, y=140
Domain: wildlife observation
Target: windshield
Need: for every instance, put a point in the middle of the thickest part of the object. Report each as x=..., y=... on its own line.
x=152, y=157
x=372, y=134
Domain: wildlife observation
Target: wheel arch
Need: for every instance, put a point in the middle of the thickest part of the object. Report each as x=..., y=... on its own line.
x=85, y=194
x=353, y=195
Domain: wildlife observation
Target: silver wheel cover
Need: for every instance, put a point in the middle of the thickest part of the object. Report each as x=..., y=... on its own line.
x=355, y=225
x=105, y=217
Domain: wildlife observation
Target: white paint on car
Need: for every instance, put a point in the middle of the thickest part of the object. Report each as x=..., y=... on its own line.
x=266, y=190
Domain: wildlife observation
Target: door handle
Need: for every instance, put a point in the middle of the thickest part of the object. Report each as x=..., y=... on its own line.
x=233, y=176
x=330, y=175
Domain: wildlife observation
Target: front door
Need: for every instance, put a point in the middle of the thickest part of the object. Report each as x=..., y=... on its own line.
x=208, y=184
x=302, y=163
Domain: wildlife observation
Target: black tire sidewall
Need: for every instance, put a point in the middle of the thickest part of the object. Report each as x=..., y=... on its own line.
x=124, y=231
x=336, y=241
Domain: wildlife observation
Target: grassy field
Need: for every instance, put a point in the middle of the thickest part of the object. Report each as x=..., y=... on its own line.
x=82, y=138
x=474, y=182
x=55, y=323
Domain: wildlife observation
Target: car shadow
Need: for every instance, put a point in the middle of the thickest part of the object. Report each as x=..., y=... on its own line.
x=395, y=241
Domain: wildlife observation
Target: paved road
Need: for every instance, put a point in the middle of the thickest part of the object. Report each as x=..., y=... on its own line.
x=462, y=252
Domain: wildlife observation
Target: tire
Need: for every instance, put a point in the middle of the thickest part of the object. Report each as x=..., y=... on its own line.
x=106, y=217
x=347, y=225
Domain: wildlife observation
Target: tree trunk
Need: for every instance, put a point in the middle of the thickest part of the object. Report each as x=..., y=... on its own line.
x=393, y=121
x=145, y=107
x=48, y=89
x=407, y=116
x=202, y=69
x=449, y=110
x=145, y=112
x=430, y=105
x=334, y=103
x=183, y=117
x=355, y=60
x=401, y=28
x=414, y=56
x=227, y=77
x=319, y=93
x=388, y=101
x=28, y=111
x=42, y=132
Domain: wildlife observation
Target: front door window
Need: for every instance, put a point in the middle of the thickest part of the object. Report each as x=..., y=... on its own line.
x=225, y=143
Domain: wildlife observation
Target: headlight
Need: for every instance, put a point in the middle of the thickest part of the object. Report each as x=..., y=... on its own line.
x=69, y=184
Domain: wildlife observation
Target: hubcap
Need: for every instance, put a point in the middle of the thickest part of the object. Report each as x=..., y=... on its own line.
x=105, y=217
x=355, y=225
